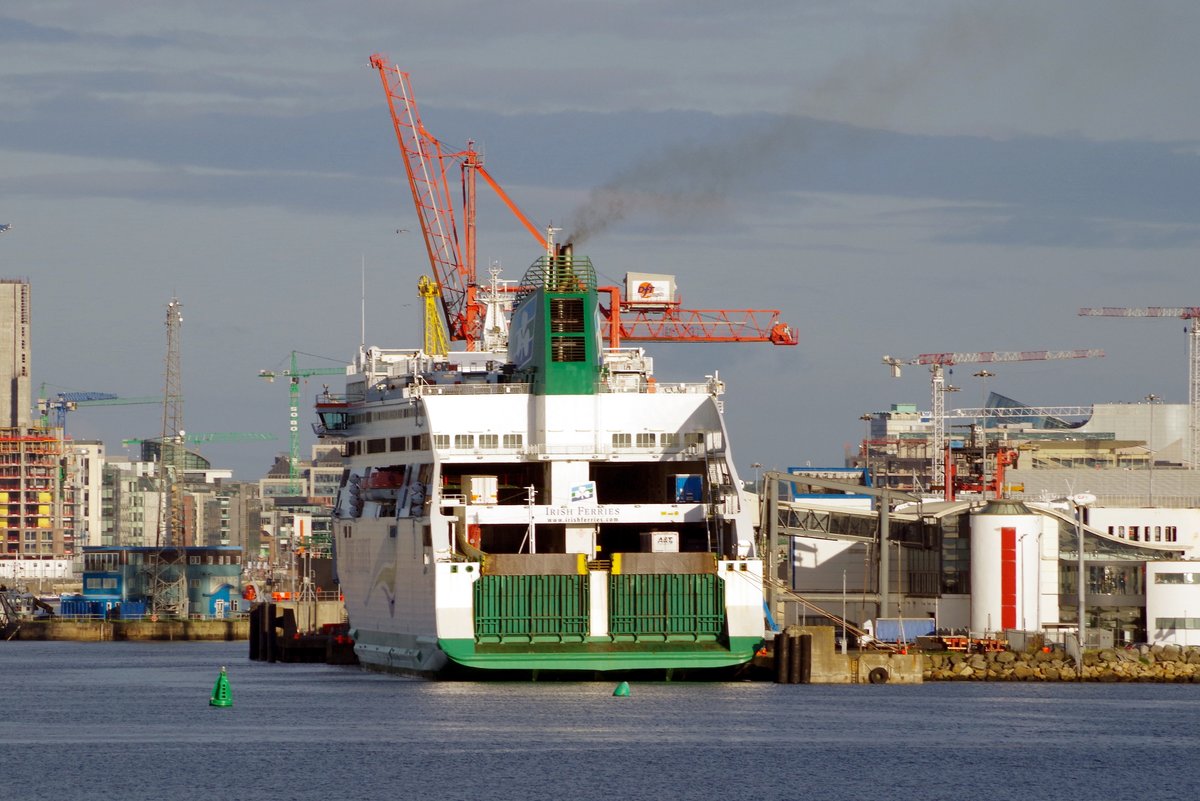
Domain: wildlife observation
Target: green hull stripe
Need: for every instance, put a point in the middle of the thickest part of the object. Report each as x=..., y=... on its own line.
x=585, y=658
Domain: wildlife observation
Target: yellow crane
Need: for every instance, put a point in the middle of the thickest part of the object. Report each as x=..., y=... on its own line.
x=436, y=340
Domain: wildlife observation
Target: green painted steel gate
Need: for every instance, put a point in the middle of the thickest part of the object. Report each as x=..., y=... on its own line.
x=677, y=606
x=531, y=608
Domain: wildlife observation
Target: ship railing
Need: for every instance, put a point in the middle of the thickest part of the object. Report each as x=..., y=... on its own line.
x=602, y=387
x=616, y=385
x=420, y=390
x=600, y=451
x=594, y=450
x=338, y=399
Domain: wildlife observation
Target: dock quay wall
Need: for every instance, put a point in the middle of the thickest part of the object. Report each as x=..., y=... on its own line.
x=1158, y=663
x=825, y=664
x=132, y=630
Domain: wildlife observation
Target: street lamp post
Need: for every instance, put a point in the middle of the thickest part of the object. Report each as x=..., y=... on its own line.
x=844, y=646
x=1081, y=502
x=866, y=418
x=946, y=479
x=1151, y=399
x=985, y=375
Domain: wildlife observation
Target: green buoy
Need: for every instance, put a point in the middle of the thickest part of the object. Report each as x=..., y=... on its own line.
x=221, y=696
x=622, y=690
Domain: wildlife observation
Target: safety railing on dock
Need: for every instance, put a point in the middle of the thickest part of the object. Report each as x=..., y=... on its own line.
x=861, y=634
x=147, y=618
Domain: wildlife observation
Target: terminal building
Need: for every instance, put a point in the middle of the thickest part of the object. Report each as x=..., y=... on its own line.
x=996, y=549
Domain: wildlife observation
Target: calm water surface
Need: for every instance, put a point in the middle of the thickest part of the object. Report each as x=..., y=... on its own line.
x=131, y=721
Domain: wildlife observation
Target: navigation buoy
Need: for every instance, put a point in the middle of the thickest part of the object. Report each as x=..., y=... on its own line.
x=622, y=690
x=221, y=696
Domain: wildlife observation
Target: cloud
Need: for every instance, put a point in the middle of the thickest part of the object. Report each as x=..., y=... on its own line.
x=1071, y=231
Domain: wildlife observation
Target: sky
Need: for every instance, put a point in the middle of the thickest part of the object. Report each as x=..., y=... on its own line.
x=897, y=177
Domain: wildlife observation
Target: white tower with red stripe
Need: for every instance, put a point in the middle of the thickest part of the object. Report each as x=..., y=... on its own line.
x=1004, y=568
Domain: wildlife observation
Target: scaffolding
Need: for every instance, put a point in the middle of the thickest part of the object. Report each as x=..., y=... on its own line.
x=37, y=501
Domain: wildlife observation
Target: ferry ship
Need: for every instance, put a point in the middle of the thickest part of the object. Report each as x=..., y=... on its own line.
x=542, y=505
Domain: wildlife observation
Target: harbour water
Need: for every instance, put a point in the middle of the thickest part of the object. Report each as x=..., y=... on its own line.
x=131, y=721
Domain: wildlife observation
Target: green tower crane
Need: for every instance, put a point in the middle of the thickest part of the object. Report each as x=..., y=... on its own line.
x=294, y=374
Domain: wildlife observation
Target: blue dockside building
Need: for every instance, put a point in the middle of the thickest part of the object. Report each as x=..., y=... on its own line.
x=126, y=581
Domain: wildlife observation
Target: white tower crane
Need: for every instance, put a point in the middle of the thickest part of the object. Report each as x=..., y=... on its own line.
x=1192, y=450
x=938, y=361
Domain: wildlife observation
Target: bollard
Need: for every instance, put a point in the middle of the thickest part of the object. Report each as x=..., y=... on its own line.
x=255, y=641
x=805, y=658
x=794, y=659
x=269, y=633
x=781, y=658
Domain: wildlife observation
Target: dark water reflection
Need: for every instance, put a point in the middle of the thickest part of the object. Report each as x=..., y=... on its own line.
x=131, y=721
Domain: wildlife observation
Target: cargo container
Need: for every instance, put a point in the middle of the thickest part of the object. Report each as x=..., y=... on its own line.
x=902, y=629
x=660, y=542
x=686, y=488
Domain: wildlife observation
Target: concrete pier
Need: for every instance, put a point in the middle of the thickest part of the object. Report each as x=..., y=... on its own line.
x=133, y=630
x=823, y=664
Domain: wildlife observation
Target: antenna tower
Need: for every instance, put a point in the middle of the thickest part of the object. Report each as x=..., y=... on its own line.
x=167, y=566
x=170, y=452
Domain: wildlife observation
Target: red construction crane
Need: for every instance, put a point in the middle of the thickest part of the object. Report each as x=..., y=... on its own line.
x=1192, y=313
x=426, y=163
x=938, y=361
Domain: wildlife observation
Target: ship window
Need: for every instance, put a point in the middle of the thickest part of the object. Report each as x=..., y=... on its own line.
x=194, y=584
x=441, y=441
x=1158, y=533
x=1177, y=578
x=645, y=440
x=420, y=442
x=622, y=440
x=489, y=441
x=669, y=440
x=398, y=443
x=1133, y=533
x=376, y=445
x=464, y=441
x=513, y=440
x=1170, y=533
